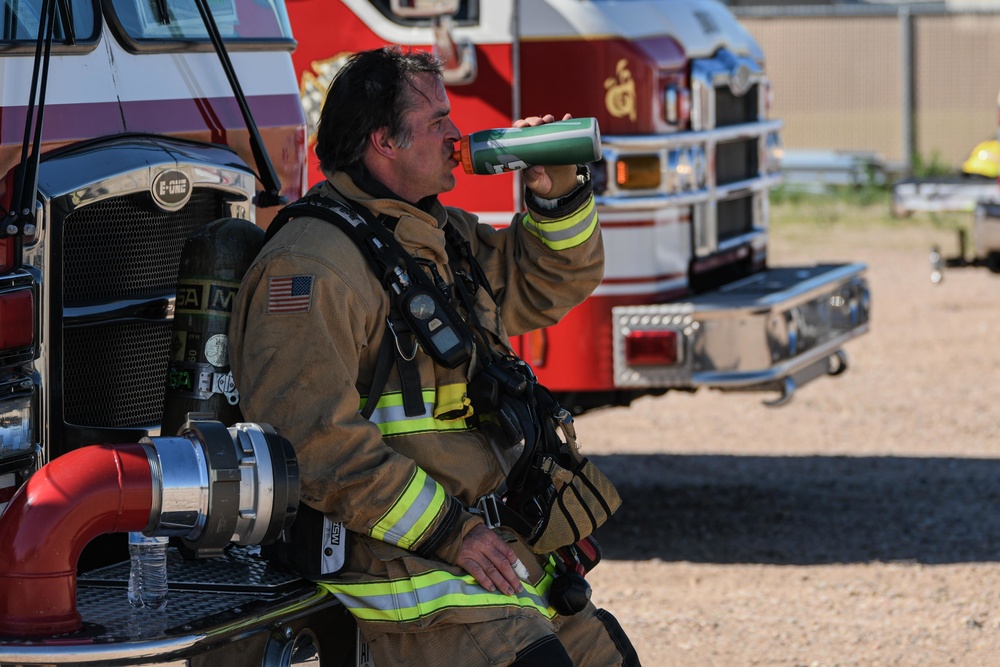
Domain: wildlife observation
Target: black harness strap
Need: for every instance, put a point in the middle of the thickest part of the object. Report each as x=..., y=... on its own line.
x=381, y=374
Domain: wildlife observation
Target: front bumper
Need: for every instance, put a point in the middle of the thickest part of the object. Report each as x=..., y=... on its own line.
x=774, y=330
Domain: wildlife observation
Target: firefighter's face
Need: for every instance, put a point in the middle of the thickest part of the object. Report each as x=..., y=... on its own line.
x=424, y=165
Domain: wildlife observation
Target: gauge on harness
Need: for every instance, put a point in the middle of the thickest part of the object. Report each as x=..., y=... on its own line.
x=441, y=334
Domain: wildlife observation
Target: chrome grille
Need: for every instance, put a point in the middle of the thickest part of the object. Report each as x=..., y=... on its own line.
x=115, y=373
x=126, y=247
x=120, y=249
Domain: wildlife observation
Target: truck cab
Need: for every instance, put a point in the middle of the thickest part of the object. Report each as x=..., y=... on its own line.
x=690, y=153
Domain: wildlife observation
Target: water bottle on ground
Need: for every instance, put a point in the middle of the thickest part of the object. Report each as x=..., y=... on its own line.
x=147, y=580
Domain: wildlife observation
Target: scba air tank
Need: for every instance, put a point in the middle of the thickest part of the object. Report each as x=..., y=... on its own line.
x=497, y=151
x=213, y=262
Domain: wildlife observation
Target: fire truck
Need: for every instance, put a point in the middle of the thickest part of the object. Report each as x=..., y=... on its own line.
x=689, y=154
x=129, y=129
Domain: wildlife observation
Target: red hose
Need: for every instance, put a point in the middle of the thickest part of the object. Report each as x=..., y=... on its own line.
x=62, y=507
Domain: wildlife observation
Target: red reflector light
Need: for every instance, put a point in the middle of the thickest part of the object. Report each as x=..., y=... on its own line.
x=652, y=348
x=17, y=321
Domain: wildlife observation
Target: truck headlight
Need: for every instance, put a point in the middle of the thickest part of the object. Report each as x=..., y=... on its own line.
x=16, y=428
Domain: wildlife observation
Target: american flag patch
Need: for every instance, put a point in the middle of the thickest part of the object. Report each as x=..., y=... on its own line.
x=289, y=294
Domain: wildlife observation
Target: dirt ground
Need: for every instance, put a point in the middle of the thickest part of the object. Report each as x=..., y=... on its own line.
x=858, y=525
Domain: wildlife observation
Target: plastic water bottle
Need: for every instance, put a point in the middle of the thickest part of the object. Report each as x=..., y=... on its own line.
x=574, y=141
x=147, y=580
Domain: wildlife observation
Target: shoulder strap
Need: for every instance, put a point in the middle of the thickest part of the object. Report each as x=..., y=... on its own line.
x=362, y=231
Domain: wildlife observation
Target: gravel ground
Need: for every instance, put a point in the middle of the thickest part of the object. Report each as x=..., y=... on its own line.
x=859, y=524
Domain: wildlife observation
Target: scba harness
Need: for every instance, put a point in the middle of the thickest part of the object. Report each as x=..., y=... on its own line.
x=553, y=496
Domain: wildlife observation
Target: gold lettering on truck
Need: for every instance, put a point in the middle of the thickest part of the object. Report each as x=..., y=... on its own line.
x=620, y=98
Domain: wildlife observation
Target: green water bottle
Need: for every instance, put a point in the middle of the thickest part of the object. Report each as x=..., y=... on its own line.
x=497, y=151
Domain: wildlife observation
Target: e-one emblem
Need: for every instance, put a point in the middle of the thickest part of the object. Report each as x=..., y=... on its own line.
x=171, y=189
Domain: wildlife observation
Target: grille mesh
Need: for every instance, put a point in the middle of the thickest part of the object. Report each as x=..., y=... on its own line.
x=735, y=217
x=733, y=110
x=115, y=374
x=736, y=161
x=126, y=247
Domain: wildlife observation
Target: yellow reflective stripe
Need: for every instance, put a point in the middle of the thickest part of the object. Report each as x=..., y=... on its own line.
x=391, y=417
x=564, y=233
x=405, y=600
x=413, y=512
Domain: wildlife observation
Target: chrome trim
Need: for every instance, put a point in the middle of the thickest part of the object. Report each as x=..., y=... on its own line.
x=739, y=380
x=646, y=143
x=743, y=239
x=184, y=499
x=754, y=333
x=655, y=201
x=256, y=485
x=156, y=308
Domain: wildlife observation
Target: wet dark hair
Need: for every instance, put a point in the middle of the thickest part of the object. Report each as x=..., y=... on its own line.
x=370, y=92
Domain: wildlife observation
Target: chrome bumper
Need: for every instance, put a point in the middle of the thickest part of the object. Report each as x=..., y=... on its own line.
x=775, y=330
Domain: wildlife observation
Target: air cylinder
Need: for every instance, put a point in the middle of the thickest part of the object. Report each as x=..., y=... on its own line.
x=199, y=380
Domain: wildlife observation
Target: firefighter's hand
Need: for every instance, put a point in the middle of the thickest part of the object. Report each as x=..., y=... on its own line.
x=488, y=558
x=548, y=181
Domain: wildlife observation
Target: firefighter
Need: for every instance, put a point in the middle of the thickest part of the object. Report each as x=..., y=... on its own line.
x=428, y=582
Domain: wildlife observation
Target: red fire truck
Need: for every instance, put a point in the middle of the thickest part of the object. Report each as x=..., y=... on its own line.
x=689, y=155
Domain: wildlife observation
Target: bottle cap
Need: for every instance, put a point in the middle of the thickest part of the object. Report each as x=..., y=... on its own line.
x=464, y=155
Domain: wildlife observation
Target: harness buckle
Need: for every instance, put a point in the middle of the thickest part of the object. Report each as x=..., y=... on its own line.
x=487, y=506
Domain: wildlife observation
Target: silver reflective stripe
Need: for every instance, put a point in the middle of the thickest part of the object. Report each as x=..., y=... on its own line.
x=404, y=600
x=397, y=413
x=558, y=236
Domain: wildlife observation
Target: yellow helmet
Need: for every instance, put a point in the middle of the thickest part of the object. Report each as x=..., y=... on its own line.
x=984, y=160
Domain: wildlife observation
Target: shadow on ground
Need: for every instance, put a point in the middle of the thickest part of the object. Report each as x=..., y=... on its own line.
x=803, y=510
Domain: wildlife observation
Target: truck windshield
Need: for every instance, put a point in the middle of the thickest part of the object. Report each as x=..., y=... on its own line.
x=21, y=18
x=179, y=20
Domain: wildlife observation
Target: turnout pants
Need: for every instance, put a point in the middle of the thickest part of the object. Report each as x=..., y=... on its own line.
x=591, y=638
